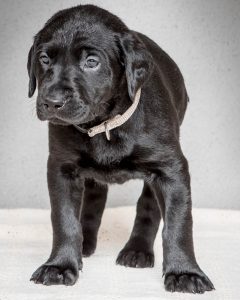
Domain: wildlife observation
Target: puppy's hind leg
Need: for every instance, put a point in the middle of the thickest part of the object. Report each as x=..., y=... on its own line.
x=138, y=251
x=95, y=196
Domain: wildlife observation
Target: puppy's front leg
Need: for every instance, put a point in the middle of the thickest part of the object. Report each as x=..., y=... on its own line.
x=182, y=273
x=65, y=189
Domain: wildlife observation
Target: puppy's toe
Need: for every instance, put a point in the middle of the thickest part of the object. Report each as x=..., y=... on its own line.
x=187, y=283
x=135, y=259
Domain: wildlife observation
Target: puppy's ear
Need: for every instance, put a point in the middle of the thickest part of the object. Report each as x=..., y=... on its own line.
x=137, y=60
x=32, y=78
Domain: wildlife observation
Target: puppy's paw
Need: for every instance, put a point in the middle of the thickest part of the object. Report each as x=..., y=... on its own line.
x=53, y=275
x=135, y=259
x=187, y=283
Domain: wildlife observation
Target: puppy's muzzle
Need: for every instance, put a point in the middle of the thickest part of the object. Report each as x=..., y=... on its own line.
x=55, y=99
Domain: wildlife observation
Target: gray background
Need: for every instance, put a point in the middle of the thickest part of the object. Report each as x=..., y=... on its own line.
x=202, y=37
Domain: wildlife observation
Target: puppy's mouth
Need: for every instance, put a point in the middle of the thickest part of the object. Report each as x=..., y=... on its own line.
x=57, y=121
x=65, y=121
x=64, y=117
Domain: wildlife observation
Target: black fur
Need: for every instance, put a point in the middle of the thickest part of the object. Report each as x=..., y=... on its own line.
x=88, y=66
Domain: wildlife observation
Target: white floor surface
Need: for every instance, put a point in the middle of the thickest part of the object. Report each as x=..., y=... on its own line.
x=25, y=243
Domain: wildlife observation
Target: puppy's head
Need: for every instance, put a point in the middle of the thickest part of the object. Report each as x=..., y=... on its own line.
x=82, y=61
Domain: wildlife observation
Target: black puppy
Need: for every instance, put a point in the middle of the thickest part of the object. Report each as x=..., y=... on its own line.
x=89, y=68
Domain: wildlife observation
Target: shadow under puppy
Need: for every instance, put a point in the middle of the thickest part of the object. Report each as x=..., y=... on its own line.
x=114, y=101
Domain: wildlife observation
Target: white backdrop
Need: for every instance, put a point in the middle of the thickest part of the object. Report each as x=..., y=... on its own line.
x=201, y=36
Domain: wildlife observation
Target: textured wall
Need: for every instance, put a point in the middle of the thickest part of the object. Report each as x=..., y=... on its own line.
x=202, y=37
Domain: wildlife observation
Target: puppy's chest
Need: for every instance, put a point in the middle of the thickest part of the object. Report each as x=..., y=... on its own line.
x=109, y=166
x=116, y=161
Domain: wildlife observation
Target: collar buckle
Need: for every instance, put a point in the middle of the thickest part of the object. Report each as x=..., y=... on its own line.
x=107, y=131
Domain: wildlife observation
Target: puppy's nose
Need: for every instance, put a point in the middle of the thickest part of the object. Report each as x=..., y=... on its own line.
x=53, y=104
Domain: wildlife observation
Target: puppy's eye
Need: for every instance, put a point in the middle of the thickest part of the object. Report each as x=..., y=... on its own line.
x=44, y=59
x=92, y=62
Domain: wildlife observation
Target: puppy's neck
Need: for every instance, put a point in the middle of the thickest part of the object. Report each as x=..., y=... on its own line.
x=116, y=105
